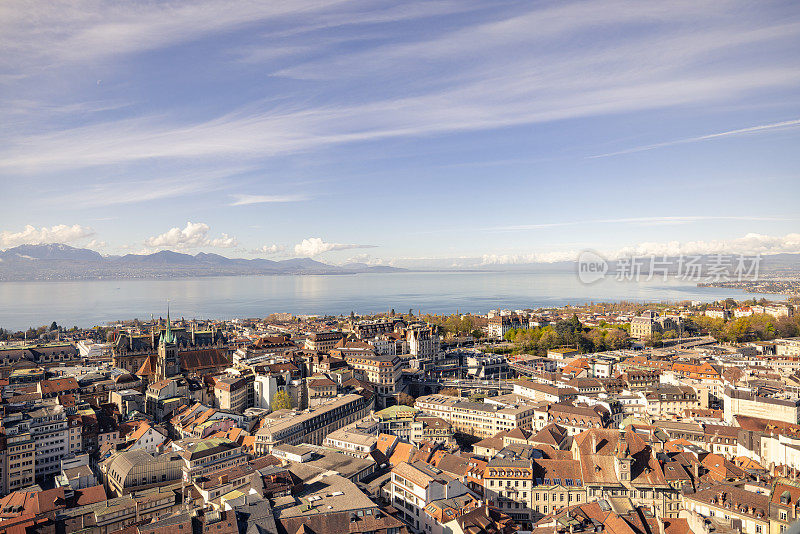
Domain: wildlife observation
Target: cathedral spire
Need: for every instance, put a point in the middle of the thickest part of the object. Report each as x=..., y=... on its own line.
x=167, y=336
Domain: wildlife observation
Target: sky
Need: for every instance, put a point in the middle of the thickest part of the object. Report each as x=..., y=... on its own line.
x=448, y=133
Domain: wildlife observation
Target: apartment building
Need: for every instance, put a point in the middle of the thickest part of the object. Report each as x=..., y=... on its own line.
x=576, y=419
x=527, y=490
x=412, y=487
x=19, y=461
x=763, y=403
x=538, y=391
x=45, y=423
x=423, y=342
x=234, y=393
x=715, y=312
x=668, y=401
x=476, y=418
x=312, y=425
x=622, y=464
x=365, y=330
x=499, y=326
x=383, y=372
x=201, y=456
x=732, y=502
x=323, y=341
x=783, y=509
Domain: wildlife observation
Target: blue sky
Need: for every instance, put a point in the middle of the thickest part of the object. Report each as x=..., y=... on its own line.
x=410, y=133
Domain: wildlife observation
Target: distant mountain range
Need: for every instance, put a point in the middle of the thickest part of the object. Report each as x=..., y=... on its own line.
x=63, y=262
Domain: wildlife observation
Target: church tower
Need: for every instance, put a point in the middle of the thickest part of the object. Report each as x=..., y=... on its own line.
x=167, y=363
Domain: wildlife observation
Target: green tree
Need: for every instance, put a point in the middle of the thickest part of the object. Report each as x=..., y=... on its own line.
x=281, y=401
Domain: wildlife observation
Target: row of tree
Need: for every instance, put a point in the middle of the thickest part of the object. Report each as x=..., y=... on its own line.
x=753, y=328
x=568, y=332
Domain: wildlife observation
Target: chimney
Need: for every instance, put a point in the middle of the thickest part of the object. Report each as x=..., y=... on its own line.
x=594, y=443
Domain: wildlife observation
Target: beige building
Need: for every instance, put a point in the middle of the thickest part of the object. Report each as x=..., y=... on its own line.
x=731, y=502
x=650, y=322
x=20, y=462
x=231, y=393
x=477, y=418
x=312, y=425
x=323, y=341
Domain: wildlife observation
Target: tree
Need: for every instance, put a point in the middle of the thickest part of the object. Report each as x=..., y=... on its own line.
x=617, y=339
x=53, y=326
x=281, y=401
x=405, y=399
x=452, y=392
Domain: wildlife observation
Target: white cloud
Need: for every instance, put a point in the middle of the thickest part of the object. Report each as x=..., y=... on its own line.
x=518, y=259
x=314, y=246
x=749, y=245
x=269, y=250
x=195, y=235
x=244, y=200
x=31, y=235
x=95, y=244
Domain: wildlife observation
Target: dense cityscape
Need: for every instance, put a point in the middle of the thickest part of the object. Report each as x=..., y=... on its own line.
x=623, y=418
x=399, y=267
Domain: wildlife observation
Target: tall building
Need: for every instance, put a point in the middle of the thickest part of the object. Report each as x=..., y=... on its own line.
x=167, y=363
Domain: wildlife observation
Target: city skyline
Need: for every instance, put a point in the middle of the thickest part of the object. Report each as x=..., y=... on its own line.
x=424, y=134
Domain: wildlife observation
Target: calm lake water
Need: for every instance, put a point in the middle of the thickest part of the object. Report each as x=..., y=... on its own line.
x=87, y=303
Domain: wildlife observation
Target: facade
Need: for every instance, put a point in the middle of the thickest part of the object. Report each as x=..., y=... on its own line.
x=423, y=342
x=731, y=502
x=544, y=392
x=413, y=487
x=233, y=393
x=476, y=418
x=383, y=372
x=47, y=426
x=202, y=456
x=758, y=403
x=312, y=425
x=667, y=401
x=19, y=462
x=323, y=341
x=650, y=322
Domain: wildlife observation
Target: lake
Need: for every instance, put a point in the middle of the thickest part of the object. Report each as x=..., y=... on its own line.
x=87, y=303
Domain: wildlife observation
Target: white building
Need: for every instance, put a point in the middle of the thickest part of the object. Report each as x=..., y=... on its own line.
x=414, y=486
x=265, y=388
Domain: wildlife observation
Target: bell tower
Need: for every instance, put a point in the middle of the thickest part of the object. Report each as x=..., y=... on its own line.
x=167, y=364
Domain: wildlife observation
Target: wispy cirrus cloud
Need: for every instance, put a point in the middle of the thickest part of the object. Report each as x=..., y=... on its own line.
x=644, y=221
x=470, y=82
x=245, y=200
x=741, y=131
